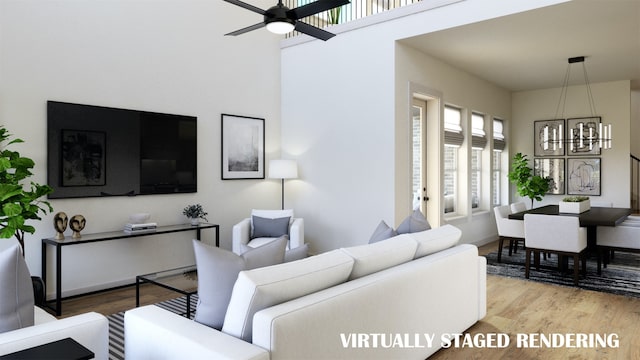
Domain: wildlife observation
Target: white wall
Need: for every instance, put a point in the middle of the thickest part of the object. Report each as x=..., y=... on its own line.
x=340, y=116
x=164, y=56
x=612, y=101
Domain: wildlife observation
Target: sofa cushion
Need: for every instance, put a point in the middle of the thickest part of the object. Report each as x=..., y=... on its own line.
x=261, y=288
x=434, y=240
x=378, y=256
x=16, y=297
x=382, y=232
x=218, y=270
x=413, y=223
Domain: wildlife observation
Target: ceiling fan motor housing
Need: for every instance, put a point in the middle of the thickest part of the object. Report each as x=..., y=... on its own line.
x=278, y=13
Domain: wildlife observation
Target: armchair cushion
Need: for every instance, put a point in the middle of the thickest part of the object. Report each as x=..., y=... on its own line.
x=266, y=227
x=218, y=270
x=16, y=297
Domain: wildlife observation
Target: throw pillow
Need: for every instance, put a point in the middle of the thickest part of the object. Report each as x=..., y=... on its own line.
x=218, y=270
x=414, y=223
x=382, y=232
x=16, y=297
x=265, y=227
x=296, y=253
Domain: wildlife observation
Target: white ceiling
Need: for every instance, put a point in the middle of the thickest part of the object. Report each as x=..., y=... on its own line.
x=529, y=50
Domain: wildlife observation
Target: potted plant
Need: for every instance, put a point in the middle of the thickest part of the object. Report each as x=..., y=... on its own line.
x=527, y=185
x=574, y=204
x=334, y=15
x=19, y=201
x=194, y=213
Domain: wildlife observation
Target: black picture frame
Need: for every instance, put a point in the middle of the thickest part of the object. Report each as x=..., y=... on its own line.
x=553, y=168
x=242, y=144
x=538, y=137
x=83, y=158
x=590, y=136
x=584, y=176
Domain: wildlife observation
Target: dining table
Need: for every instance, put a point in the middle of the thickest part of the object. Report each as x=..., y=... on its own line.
x=590, y=219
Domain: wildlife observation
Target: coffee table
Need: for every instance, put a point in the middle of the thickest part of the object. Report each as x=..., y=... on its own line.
x=183, y=280
x=65, y=349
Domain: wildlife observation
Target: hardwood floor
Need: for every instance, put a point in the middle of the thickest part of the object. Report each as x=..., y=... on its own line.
x=513, y=307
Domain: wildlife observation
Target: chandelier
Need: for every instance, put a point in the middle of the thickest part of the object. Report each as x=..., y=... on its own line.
x=586, y=134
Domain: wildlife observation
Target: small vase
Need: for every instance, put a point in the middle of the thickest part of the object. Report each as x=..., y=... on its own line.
x=194, y=221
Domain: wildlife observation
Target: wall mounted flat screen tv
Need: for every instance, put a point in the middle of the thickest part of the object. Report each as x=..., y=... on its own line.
x=102, y=151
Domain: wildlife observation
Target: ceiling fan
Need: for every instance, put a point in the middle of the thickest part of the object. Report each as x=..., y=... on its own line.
x=280, y=19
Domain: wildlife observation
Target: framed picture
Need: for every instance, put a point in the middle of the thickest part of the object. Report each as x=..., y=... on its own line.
x=583, y=136
x=583, y=176
x=82, y=158
x=547, y=136
x=242, y=147
x=554, y=169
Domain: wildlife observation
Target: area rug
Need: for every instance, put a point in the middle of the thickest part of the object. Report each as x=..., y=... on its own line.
x=116, y=324
x=621, y=276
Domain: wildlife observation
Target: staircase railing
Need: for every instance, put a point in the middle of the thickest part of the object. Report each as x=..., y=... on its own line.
x=635, y=184
x=356, y=9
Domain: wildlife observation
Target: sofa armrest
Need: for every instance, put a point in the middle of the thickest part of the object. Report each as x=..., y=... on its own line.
x=155, y=333
x=90, y=329
x=296, y=233
x=240, y=235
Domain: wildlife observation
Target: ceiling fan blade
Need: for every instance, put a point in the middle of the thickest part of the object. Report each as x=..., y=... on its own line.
x=313, y=31
x=247, y=29
x=246, y=6
x=314, y=8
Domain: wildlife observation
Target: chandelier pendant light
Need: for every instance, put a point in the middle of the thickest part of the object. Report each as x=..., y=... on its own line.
x=585, y=135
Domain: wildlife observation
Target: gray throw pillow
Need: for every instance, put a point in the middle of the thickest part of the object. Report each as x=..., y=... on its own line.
x=16, y=296
x=264, y=227
x=218, y=270
x=382, y=232
x=416, y=222
x=296, y=253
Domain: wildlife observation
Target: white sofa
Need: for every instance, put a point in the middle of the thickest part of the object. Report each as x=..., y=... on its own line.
x=421, y=284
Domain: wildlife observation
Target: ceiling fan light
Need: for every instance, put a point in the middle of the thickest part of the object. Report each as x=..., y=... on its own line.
x=280, y=27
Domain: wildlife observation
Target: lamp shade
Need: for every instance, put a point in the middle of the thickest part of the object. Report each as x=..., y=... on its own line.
x=283, y=169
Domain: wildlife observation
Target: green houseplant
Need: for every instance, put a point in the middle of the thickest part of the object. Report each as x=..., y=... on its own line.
x=19, y=200
x=334, y=15
x=195, y=212
x=527, y=184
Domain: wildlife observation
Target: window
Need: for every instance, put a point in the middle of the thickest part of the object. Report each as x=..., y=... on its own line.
x=478, y=143
x=498, y=147
x=453, y=138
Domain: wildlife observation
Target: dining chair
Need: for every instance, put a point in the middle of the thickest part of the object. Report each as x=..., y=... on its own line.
x=509, y=229
x=556, y=234
x=624, y=237
x=518, y=207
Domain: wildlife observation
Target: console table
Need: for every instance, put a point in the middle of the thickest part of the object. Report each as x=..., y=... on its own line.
x=105, y=236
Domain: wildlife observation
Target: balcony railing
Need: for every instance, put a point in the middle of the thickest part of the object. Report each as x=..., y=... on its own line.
x=356, y=9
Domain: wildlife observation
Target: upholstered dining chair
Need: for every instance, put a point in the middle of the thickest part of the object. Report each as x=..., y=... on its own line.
x=557, y=234
x=508, y=229
x=264, y=226
x=518, y=207
x=624, y=237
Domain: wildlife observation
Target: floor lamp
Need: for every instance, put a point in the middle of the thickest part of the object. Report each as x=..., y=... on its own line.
x=283, y=169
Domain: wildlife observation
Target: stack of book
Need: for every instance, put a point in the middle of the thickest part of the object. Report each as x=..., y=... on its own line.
x=140, y=228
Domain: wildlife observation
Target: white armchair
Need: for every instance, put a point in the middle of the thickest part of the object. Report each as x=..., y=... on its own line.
x=554, y=233
x=510, y=229
x=21, y=331
x=244, y=235
x=518, y=207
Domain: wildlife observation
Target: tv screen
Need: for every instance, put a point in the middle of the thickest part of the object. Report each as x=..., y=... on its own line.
x=102, y=151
